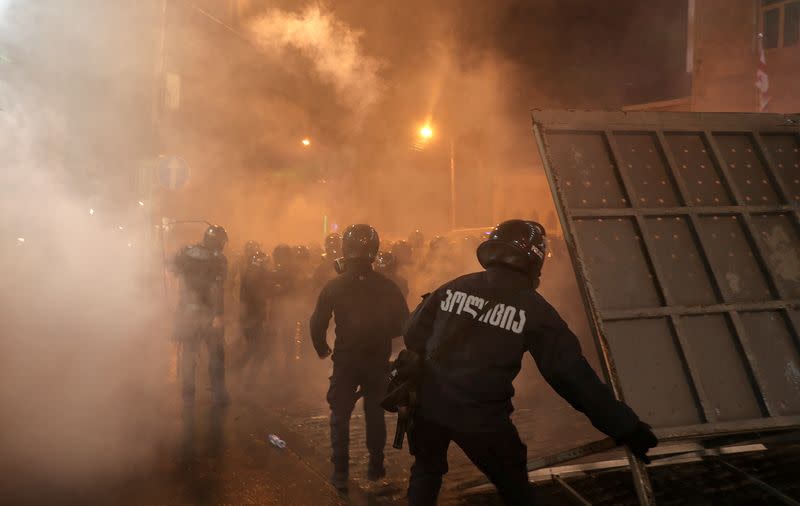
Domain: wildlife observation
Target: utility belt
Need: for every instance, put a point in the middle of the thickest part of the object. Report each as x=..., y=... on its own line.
x=401, y=397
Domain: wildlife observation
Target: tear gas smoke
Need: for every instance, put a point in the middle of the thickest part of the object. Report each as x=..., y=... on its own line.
x=333, y=47
x=83, y=356
x=82, y=363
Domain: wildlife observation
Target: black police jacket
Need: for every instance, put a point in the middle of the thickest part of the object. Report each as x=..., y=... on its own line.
x=256, y=288
x=469, y=388
x=369, y=311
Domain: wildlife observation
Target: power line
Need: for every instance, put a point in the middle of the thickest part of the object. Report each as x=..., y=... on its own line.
x=218, y=21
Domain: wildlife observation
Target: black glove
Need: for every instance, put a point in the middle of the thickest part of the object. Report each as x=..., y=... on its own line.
x=640, y=440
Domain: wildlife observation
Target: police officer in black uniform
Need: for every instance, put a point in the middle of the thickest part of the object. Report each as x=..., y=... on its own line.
x=369, y=311
x=403, y=254
x=202, y=269
x=325, y=270
x=496, y=316
x=254, y=293
x=386, y=264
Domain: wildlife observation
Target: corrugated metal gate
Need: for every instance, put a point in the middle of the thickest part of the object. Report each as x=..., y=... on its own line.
x=684, y=229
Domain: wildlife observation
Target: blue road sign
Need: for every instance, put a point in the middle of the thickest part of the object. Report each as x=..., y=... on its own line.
x=173, y=172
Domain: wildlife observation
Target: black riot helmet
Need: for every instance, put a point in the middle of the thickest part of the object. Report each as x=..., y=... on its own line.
x=282, y=255
x=251, y=248
x=259, y=259
x=302, y=255
x=385, y=262
x=519, y=244
x=416, y=239
x=333, y=245
x=360, y=242
x=438, y=244
x=215, y=238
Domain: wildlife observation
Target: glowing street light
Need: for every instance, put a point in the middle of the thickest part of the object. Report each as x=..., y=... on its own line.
x=141, y=203
x=20, y=240
x=91, y=212
x=426, y=132
x=306, y=142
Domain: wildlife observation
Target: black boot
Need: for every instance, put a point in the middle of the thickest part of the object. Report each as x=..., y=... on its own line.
x=376, y=469
x=340, y=475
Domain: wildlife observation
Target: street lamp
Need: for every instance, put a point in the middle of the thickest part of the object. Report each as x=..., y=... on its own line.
x=306, y=142
x=426, y=134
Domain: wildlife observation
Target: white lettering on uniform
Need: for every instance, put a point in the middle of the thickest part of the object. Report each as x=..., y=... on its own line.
x=497, y=314
x=446, y=303
x=508, y=317
x=518, y=327
x=471, y=300
x=501, y=315
x=459, y=298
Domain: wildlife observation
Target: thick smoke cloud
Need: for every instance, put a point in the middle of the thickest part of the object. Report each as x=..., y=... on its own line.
x=83, y=355
x=334, y=49
x=82, y=361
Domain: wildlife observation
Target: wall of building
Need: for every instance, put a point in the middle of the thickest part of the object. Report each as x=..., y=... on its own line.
x=783, y=68
x=725, y=55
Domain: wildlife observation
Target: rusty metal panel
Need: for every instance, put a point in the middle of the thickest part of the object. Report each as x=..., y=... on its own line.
x=685, y=235
x=732, y=255
x=618, y=269
x=649, y=175
x=779, y=360
x=590, y=179
x=727, y=381
x=784, y=150
x=645, y=348
x=693, y=163
x=782, y=247
x=677, y=251
x=750, y=176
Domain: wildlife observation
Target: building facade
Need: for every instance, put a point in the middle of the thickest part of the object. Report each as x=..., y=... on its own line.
x=723, y=53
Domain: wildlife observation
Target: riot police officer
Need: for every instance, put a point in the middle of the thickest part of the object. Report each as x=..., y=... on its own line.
x=251, y=247
x=416, y=240
x=386, y=264
x=254, y=294
x=286, y=285
x=325, y=270
x=402, y=253
x=478, y=327
x=202, y=269
x=333, y=246
x=370, y=311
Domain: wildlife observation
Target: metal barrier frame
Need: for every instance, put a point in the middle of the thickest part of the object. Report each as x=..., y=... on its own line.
x=608, y=124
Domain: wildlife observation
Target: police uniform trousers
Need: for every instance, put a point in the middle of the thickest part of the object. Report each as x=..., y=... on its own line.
x=193, y=331
x=499, y=454
x=354, y=377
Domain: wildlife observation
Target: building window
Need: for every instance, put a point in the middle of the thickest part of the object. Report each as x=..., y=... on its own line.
x=780, y=23
x=791, y=24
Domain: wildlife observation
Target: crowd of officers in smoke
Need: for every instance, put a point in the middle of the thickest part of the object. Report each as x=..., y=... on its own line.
x=275, y=293
x=463, y=343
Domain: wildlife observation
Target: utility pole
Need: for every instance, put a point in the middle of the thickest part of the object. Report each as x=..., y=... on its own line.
x=452, y=183
x=156, y=119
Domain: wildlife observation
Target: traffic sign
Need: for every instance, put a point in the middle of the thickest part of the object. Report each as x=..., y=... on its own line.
x=173, y=172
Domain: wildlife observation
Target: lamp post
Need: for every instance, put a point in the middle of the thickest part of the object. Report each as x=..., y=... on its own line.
x=426, y=134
